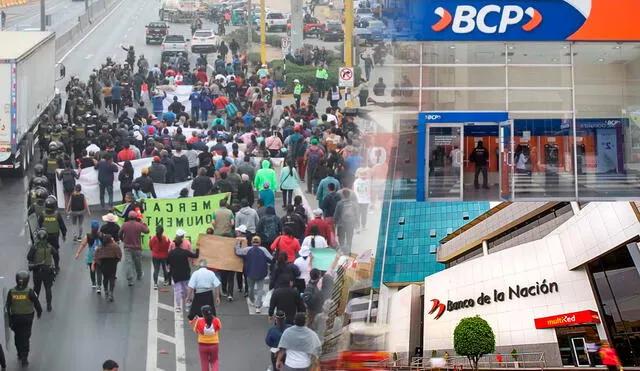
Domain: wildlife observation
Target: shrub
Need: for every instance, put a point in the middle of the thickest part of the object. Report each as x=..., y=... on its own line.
x=253, y=59
x=307, y=74
x=473, y=338
x=274, y=40
x=240, y=35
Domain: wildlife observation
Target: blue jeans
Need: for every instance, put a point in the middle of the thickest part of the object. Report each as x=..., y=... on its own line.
x=109, y=188
x=204, y=114
x=195, y=113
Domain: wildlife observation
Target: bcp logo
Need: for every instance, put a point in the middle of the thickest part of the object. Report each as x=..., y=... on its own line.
x=490, y=19
x=437, y=308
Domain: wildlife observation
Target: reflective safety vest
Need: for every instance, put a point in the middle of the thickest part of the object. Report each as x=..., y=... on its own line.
x=50, y=223
x=20, y=302
x=52, y=164
x=297, y=90
x=322, y=74
x=43, y=254
x=79, y=133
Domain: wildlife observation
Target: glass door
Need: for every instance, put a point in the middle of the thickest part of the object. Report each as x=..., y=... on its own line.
x=507, y=189
x=445, y=159
x=580, y=351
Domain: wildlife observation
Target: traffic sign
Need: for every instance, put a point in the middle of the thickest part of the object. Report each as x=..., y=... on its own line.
x=346, y=77
x=286, y=46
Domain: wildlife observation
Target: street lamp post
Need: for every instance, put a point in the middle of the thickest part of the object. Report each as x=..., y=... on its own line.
x=348, y=33
x=42, y=17
x=263, y=32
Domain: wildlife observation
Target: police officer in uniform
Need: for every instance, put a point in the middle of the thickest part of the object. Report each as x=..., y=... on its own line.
x=43, y=261
x=38, y=180
x=21, y=304
x=53, y=222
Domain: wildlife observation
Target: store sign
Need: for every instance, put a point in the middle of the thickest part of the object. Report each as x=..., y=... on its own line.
x=568, y=319
x=512, y=293
x=520, y=20
x=458, y=117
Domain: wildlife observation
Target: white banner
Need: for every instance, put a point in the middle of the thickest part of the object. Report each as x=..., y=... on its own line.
x=89, y=182
x=182, y=92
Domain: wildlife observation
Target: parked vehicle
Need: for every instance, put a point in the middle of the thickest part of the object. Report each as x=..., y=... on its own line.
x=333, y=31
x=276, y=21
x=204, y=42
x=156, y=31
x=28, y=65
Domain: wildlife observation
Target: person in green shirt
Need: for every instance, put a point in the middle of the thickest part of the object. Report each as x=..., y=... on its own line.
x=297, y=93
x=266, y=174
x=321, y=79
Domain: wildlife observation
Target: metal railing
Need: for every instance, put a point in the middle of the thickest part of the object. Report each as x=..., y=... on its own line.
x=488, y=361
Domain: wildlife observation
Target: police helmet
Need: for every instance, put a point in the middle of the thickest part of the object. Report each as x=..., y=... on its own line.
x=53, y=146
x=41, y=193
x=92, y=76
x=89, y=102
x=22, y=279
x=41, y=234
x=103, y=118
x=38, y=169
x=51, y=203
x=40, y=181
x=58, y=127
x=91, y=134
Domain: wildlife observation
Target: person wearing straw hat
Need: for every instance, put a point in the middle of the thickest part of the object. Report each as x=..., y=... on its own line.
x=110, y=226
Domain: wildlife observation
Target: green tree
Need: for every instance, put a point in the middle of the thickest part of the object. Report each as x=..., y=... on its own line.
x=473, y=338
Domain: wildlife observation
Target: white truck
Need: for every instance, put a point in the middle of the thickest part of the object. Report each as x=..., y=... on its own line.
x=28, y=74
x=179, y=11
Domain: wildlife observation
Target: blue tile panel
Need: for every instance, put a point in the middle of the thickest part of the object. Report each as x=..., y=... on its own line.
x=409, y=260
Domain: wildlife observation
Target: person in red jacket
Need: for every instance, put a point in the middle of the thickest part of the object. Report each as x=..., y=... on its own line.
x=323, y=227
x=609, y=357
x=159, y=245
x=126, y=154
x=287, y=243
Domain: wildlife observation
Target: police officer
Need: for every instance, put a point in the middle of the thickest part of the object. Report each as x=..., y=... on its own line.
x=38, y=197
x=21, y=304
x=43, y=262
x=53, y=222
x=39, y=180
x=52, y=164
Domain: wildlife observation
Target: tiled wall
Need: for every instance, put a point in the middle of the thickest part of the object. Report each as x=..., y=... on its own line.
x=409, y=259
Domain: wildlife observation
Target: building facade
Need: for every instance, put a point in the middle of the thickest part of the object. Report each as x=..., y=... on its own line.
x=557, y=278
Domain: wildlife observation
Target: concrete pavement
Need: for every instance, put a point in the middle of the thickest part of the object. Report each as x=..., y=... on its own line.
x=64, y=15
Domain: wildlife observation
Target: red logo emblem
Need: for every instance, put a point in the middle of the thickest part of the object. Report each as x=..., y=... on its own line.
x=437, y=306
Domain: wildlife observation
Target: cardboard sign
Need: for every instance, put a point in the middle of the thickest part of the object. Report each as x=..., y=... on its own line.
x=220, y=252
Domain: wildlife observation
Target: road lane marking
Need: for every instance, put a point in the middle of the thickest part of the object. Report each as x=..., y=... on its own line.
x=91, y=31
x=167, y=338
x=181, y=361
x=165, y=307
x=89, y=56
x=152, y=338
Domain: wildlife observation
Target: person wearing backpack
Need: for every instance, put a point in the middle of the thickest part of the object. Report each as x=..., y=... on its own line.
x=293, y=221
x=313, y=297
x=269, y=226
x=346, y=219
x=312, y=157
x=68, y=177
x=77, y=207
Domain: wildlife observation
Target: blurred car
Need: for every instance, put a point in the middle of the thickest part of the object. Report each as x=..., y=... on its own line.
x=361, y=14
x=204, y=41
x=370, y=32
x=156, y=31
x=333, y=31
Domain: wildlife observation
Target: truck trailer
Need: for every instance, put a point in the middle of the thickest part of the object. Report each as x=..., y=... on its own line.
x=28, y=73
x=179, y=11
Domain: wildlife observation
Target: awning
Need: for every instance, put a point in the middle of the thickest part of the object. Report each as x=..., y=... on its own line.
x=568, y=319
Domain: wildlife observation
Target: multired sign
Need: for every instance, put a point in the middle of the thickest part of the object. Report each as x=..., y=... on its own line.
x=568, y=319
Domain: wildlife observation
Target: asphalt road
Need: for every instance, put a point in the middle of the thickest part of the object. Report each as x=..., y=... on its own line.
x=64, y=15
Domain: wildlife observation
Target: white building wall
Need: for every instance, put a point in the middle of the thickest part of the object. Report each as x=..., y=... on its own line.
x=405, y=312
x=596, y=229
x=512, y=320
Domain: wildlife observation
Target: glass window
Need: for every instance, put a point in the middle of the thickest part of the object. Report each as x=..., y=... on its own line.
x=464, y=76
x=607, y=105
x=547, y=76
x=463, y=53
x=617, y=284
x=538, y=53
x=540, y=100
x=464, y=100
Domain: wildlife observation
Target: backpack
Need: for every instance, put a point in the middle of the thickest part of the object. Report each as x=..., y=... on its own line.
x=270, y=231
x=312, y=297
x=315, y=155
x=68, y=180
x=349, y=214
x=231, y=110
x=299, y=209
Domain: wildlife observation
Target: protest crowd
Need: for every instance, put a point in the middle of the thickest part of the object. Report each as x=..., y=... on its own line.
x=230, y=134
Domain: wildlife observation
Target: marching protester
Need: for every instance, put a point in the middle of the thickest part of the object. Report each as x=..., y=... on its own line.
x=106, y=259
x=159, y=245
x=205, y=286
x=78, y=207
x=130, y=234
x=256, y=266
x=180, y=270
x=300, y=345
x=93, y=240
x=274, y=334
x=208, y=328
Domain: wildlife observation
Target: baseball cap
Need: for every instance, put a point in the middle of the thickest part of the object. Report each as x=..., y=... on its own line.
x=256, y=239
x=95, y=224
x=317, y=212
x=180, y=233
x=304, y=252
x=156, y=158
x=314, y=141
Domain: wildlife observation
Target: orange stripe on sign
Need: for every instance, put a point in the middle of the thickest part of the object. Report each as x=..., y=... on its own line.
x=611, y=21
x=536, y=19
